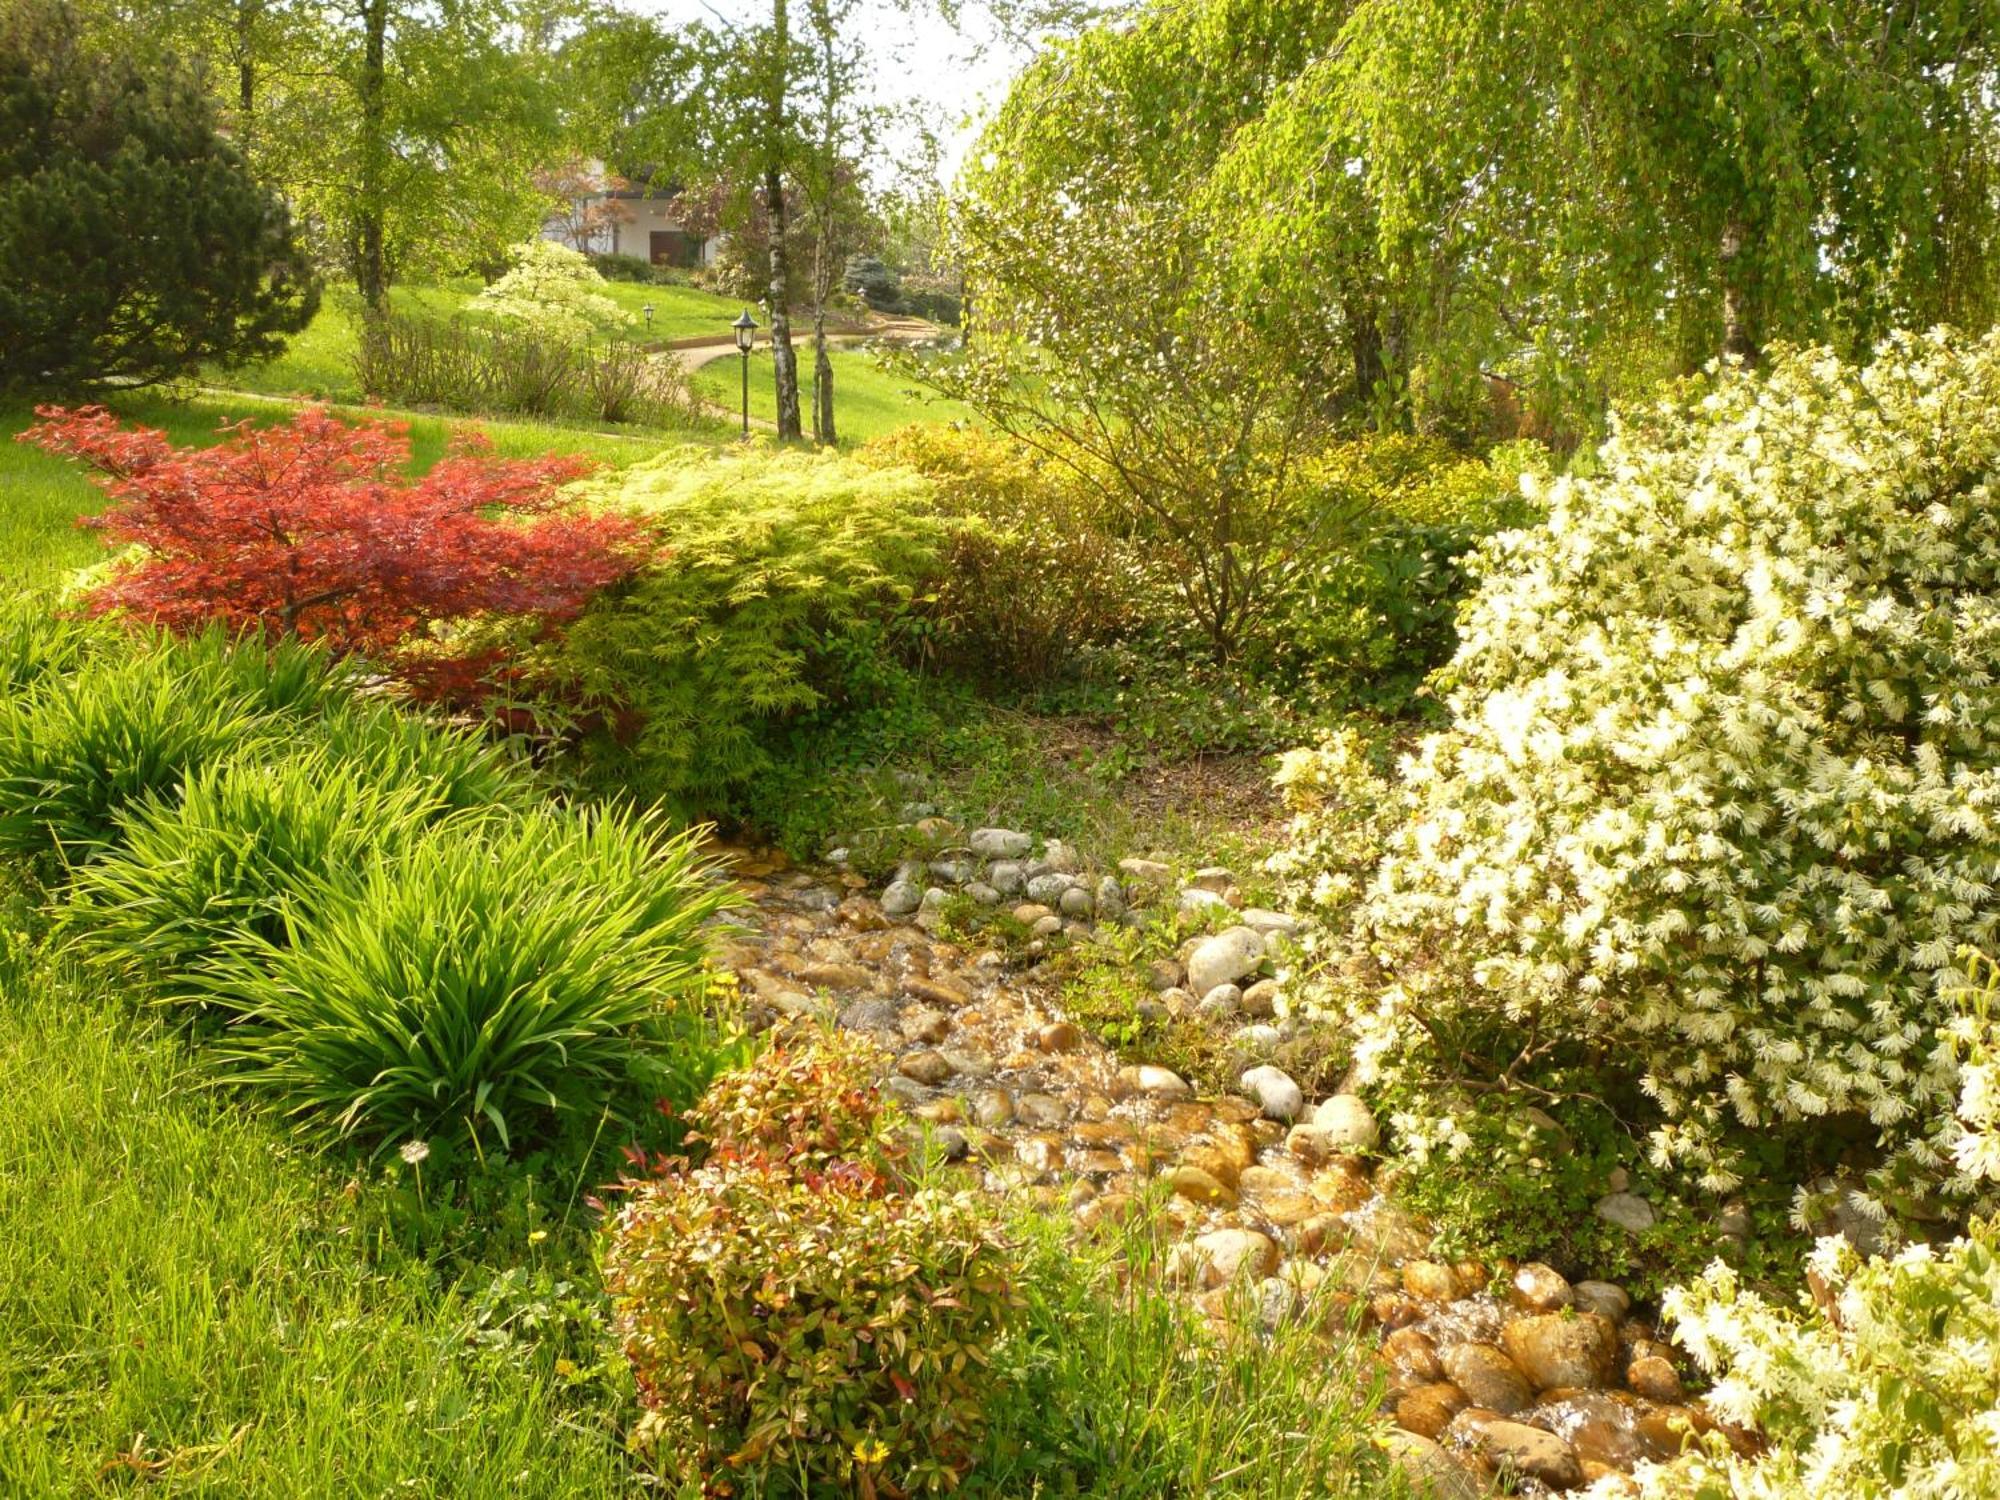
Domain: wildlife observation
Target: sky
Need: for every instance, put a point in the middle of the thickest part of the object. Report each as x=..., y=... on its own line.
x=917, y=59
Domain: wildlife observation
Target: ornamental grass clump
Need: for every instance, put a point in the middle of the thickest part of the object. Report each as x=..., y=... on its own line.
x=246, y=841
x=77, y=748
x=496, y=985
x=1721, y=798
x=798, y=1311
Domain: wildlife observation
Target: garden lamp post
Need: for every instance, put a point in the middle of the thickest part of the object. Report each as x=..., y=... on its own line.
x=648, y=311
x=746, y=335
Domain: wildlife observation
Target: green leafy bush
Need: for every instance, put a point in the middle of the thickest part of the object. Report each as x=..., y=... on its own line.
x=75, y=750
x=783, y=576
x=802, y=1104
x=551, y=291
x=1716, y=811
x=796, y=1317
x=1364, y=625
x=1033, y=571
x=491, y=984
x=245, y=841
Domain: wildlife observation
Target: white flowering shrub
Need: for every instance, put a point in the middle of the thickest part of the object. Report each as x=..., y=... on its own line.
x=1888, y=1382
x=551, y=289
x=1718, y=804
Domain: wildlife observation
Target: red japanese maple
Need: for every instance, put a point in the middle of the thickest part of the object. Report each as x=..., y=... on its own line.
x=314, y=529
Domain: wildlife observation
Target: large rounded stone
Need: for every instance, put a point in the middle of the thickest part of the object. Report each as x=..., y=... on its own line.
x=1199, y=1186
x=1229, y=1253
x=1155, y=1082
x=1345, y=1123
x=1429, y=1408
x=1488, y=1377
x=1628, y=1211
x=1514, y=1448
x=1602, y=1297
x=1537, y=1288
x=1224, y=959
x=902, y=897
x=1563, y=1350
x=1277, y=1095
x=925, y=1067
x=999, y=843
x=1432, y=1472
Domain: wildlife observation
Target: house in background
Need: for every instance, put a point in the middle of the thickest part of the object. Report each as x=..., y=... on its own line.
x=610, y=215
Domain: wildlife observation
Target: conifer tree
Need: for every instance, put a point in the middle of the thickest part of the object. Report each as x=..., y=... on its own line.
x=135, y=243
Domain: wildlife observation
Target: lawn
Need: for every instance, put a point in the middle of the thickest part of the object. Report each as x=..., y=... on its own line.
x=868, y=400
x=188, y=1297
x=320, y=361
x=44, y=494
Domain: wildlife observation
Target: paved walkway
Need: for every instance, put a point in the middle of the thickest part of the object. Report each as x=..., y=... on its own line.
x=693, y=357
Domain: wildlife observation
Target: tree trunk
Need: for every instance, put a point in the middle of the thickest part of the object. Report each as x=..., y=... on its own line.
x=784, y=360
x=371, y=275
x=246, y=78
x=822, y=380
x=1739, y=327
x=1365, y=339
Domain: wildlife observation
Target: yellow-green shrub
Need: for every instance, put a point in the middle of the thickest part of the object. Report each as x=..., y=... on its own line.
x=1034, y=567
x=780, y=581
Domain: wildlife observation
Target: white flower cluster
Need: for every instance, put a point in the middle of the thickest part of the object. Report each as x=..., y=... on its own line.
x=1890, y=1386
x=1721, y=794
x=551, y=290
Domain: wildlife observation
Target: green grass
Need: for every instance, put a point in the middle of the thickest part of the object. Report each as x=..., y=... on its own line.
x=868, y=400
x=319, y=362
x=187, y=1296
x=1114, y=1390
x=40, y=542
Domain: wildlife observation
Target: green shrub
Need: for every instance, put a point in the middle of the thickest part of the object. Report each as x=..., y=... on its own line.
x=794, y=1316
x=623, y=267
x=502, y=984
x=76, y=750
x=1365, y=625
x=245, y=841
x=1716, y=811
x=1033, y=569
x=782, y=577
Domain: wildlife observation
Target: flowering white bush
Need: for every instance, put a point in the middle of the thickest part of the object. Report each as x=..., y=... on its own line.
x=551, y=289
x=1719, y=798
x=1890, y=1386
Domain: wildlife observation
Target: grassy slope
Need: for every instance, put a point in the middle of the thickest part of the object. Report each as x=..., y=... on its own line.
x=320, y=361
x=178, y=1279
x=43, y=495
x=867, y=400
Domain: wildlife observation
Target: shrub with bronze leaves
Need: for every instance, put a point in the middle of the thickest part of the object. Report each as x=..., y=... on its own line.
x=799, y=1318
x=806, y=1104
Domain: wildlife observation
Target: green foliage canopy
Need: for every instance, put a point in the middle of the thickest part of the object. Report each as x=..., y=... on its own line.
x=134, y=241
